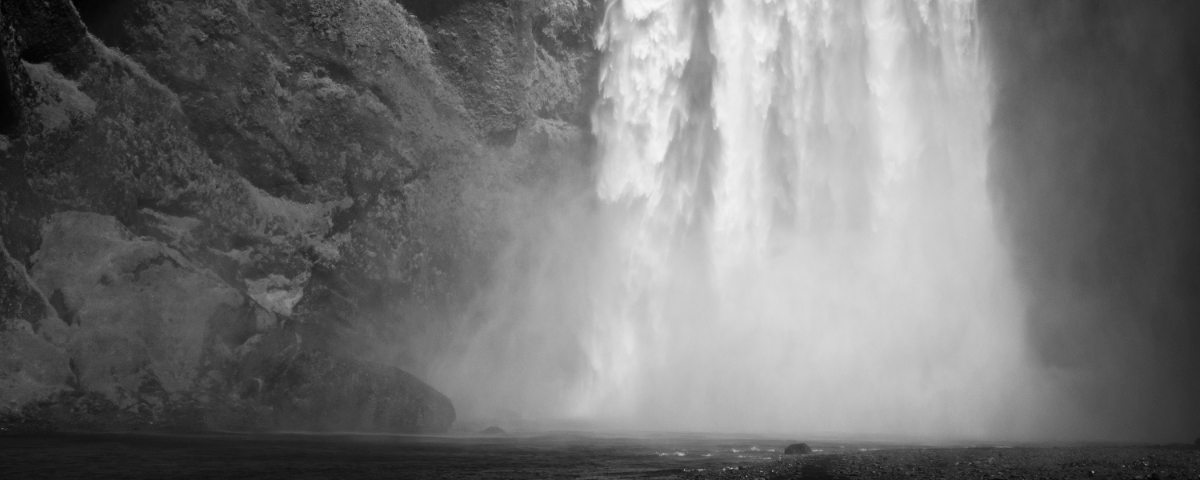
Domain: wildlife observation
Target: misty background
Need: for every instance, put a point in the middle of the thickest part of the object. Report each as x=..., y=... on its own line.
x=1095, y=169
x=1093, y=177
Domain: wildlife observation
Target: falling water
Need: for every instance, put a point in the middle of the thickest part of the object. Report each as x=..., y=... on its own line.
x=795, y=234
x=804, y=234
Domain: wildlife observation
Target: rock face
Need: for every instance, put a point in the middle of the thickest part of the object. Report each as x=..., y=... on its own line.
x=254, y=214
x=148, y=340
x=797, y=449
x=31, y=368
x=143, y=319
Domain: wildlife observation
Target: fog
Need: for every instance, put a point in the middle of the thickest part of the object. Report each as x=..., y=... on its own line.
x=914, y=220
x=1095, y=172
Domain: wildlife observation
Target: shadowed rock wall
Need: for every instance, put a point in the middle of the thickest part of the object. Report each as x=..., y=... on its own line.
x=247, y=214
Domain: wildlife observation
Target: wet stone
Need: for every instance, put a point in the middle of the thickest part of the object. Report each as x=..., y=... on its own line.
x=797, y=449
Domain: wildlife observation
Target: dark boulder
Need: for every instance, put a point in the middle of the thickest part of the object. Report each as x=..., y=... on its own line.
x=1198, y=441
x=797, y=449
x=493, y=430
x=320, y=392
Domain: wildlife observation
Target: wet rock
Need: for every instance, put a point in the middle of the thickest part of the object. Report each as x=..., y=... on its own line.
x=151, y=341
x=19, y=298
x=31, y=367
x=797, y=449
x=316, y=391
x=517, y=62
x=493, y=430
x=140, y=313
x=291, y=163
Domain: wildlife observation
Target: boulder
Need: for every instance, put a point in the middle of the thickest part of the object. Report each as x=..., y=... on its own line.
x=797, y=449
x=493, y=430
x=320, y=392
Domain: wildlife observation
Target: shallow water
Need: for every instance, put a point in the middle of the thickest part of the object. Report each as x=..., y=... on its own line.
x=534, y=455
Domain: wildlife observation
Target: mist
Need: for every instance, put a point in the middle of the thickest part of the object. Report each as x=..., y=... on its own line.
x=880, y=220
x=1094, y=167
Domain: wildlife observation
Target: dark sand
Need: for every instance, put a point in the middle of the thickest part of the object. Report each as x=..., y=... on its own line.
x=558, y=455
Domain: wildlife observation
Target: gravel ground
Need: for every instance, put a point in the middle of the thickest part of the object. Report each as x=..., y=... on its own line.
x=1101, y=462
x=560, y=455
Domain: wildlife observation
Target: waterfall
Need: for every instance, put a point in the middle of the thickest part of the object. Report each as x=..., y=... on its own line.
x=801, y=232
x=790, y=231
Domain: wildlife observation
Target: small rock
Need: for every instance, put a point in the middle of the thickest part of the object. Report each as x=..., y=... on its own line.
x=493, y=430
x=797, y=449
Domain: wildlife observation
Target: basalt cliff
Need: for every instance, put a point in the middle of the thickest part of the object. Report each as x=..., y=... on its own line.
x=256, y=214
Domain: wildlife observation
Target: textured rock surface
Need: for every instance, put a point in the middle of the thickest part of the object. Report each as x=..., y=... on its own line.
x=142, y=317
x=314, y=391
x=148, y=340
x=31, y=368
x=286, y=200
x=19, y=298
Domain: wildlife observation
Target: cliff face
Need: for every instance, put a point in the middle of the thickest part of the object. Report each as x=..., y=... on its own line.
x=238, y=213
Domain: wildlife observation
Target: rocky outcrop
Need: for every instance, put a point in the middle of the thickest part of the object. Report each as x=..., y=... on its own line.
x=149, y=340
x=279, y=195
x=145, y=323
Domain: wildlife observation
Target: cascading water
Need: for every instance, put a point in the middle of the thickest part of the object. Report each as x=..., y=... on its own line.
x=805, y=237
x=795, y=231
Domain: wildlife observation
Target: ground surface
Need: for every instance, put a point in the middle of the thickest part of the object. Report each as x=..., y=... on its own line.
x=559, y=455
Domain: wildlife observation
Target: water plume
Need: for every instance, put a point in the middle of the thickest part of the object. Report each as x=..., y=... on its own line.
x=790, y=230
